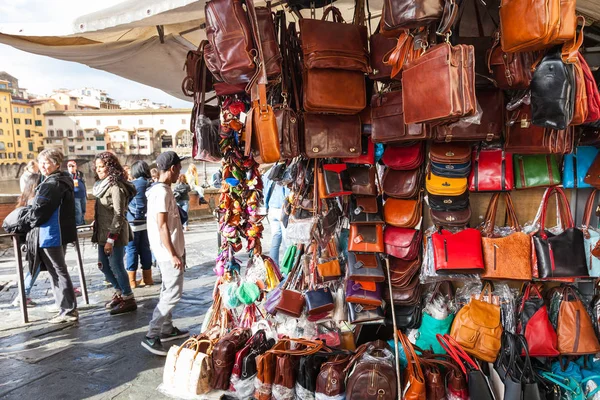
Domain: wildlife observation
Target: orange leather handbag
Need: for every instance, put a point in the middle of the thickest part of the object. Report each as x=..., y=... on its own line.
x=366, y=238
x=575, y=331
x=402, y=213
x=570, y=55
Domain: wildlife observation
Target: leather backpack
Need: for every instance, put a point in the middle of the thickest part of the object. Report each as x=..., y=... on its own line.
x=477, y=327
x=399, y=15
x=373, y=375
x=534, y=323
x=575, y=331
x=511, y=71
x=223, y=356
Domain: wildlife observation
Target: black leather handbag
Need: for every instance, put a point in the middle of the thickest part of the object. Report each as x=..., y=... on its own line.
x=308, y=370
x=365, y=210
x=448, y=203
x=531, y=390
x=562, y=255
x=506, y=365
x=408, y=317
x=553, y=92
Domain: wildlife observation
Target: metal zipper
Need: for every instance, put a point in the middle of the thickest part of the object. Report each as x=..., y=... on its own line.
x=577, y=327
x=446, y=249
x=551, y=258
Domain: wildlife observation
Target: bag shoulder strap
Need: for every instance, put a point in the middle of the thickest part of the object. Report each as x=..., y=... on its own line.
x=589, y=206
x=571, y=48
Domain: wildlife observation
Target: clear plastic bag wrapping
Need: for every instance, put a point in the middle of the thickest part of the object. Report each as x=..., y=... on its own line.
x=244, y=388
x=465, y=122
x=303, y=394
x=503, y=296
x=533, y=226
x=279, y=392
x=321, y=396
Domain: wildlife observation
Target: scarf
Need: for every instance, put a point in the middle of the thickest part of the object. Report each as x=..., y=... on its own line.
x=101, y=187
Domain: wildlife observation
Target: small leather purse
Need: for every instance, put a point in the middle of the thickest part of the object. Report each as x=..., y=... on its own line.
x=403, y=243
x=402, y=184
x=404, y=157
x=329, y=270
x=366, y=238
x=356, y=294
x=442, y=186
x=359, y=314
x=291, y=300
x=451, y=170
x=319, y=301
x=450, y=153
x=448, y=203
x=458, y=253
x=363, y=180
x=365, y=267
x=451, y=219
x=402, y=213
x=365, y=210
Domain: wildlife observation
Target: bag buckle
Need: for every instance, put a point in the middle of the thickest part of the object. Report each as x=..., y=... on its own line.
x=358, y=210
x=489, y=137
x=525, y=123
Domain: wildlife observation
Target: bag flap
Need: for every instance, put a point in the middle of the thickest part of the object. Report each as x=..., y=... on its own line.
x=362, y=175
x=367, y=204
x=450, y=152
x=399, y=237
x=398, y=157
x=484, y=314
x=365, y=233
x=368, y=286
x=451, y=217
x=443, y=185
x=365, y=260
x=399, y=209
x=400, y=183
x=337, y=168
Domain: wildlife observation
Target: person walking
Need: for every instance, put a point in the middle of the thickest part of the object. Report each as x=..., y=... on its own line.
x=165, y=233
x=80, y=192
x=138, y=250
x=111, y=230
x=53, y=212
x=32, y=167
x=274, y=201
x=181, y=191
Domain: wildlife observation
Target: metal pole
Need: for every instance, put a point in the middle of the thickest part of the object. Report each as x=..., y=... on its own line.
x=84, y=291
x=21, y=281
x=389, y=279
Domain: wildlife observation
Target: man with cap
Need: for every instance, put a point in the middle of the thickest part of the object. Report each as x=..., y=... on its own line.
x=165, y=234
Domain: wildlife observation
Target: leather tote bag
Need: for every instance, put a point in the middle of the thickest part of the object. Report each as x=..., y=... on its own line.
x=188, y=370
x=553, y=92
x=529, y=25
x=332, y=136
x=457, y=252
x=492, y=170
x=591, y=237
x=534, y=323
x=540, y=170
x=575, y=331
x=507, y=257
x=576, y=166
x=414, y=379
x=562, y=255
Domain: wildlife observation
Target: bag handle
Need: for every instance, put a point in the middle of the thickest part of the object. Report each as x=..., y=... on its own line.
x=448, y=19
x=589, y=206
x=337, y=15
x=411, y=357
x=456, y=353
x=404, y=52
x=571, y=48
x=527, y=294
x=258, y=83
x=563, y=206
x=490, y=215
x=443, y=288
x=557, y=380
x=312, y=347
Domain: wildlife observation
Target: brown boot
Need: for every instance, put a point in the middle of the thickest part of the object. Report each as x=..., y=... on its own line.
x=132, y=281
x=147, y=277
x=124, y=306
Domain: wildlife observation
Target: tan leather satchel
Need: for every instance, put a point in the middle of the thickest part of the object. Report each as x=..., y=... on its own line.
x=529, y=25
x=477, y=327
x=575, y=331
x=507, y=257
x=402, y=213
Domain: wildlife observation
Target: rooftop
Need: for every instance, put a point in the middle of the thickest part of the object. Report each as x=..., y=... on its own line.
x=119, y=112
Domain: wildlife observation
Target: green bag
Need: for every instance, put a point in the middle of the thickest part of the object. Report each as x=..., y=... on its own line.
x=288, y=260
x=430, y=327
x=536, y=170
x=248, y=293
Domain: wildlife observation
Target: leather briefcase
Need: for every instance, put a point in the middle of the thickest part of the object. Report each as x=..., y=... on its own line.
x=365, y=210
x=388, y=120
x=492, y=171
x=402, y=184
x=536, y=170
x=529, y=25
x=450, y=153
x=507, y=257
x=511, y=71
x=230, y=55
x=562, y=255
x=458, y=253
x=407, y=157
x=442, y=66
x=366, y=238
x=334, y=91
x=402, y=213
x=407, y=14
x=403, y=243
x=332, y=136
x=451, y=219
x=491, y=125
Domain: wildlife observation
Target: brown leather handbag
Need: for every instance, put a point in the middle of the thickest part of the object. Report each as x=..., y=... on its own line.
x=373, y=374
x=455, y=153
x=366, y=238
x=292, y=301
x=223, y=356
x=570, y=55
x=363, y=180
x=402, y=213
x=491, y=125
x=402, y=184
x=511, y=71
x=477, y=327
x=332, y=136
x=529, y=25
x=522, y=137
x=439, y=86
x=456, y=219
x=414, y=380
x=331, y=380
x=398, y=15
x=229, y=56
x=388, y=125
x=575, y=331
x=268, y=41
x=194, y=64
x=507, y=257
x=380, y=45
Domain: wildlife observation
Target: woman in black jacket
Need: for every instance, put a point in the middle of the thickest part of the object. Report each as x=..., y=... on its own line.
x=53, y=212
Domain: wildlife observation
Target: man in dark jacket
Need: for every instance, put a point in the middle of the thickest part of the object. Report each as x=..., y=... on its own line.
x=53, y=213
x=80, y=191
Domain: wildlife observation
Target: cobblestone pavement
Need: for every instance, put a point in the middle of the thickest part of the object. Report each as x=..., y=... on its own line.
x=99, y=357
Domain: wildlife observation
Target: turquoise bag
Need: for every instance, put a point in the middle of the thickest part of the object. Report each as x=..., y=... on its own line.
x=568, y=385
x=591, y=236
x=430, y=327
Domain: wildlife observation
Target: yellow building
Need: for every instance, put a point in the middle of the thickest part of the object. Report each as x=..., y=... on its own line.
x=7, y=143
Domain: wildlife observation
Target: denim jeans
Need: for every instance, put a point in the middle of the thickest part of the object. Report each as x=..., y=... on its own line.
x=185, y=205
x=80, y=207
x=30, y=279
x=277, y=234
x=114, y=269
x=138, y=250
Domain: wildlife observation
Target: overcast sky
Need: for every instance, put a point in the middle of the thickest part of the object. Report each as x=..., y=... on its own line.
x=41, y=74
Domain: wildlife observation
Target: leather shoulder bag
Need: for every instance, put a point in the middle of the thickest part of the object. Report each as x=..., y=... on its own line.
x=402, y=213
x=414, y=380
x=365, y=210
x=457, y=253
x=511, y=71
x=406, y=157
x=331, y=381
x=591, y=237
x=575, y=331
x=224, y=356
x=570, y=56
x=540, y=170
x=492, y=171
x=507, y=257
x=535, y=325
x=450, y=153
x=398, y=15
x=576, y=166
x=562, y=255
x=363, y=180
x=402, y=184
x=332, y=136
x=448, y=203
x=592, y=176
x=451, y=219
x=442, y=186
x=388, y=120
x=365, y=267
x=380, y=45
x=372, y=373
x=366, y=238
x=403, y=243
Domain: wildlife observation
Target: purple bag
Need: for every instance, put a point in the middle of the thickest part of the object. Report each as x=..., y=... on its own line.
x=356, y=293
x=272, y=300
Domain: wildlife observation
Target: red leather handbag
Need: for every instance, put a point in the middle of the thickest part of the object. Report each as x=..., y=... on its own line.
x=367, y=155
x=404, y=157
x=402, y=243
x=458, y=252
x=535, y=324
x=492, y=171
x=591, y=88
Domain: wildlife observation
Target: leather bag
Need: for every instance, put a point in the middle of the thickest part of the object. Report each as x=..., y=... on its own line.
x=592, y=177
x=318, y=301
x=194, y=67
x=477, y=328
x=451, y=170
x=591, y=88
x=373, y=373
x=268, y=40
x=553, y=90
x=334, y=181
x=457, y=253
x=402, y=213
x=570, y=56
x=366, y=238
x=363, y=180
x=451, y=219
x=404, y=157
x=331, y=380
x=380, y=45
x=534, y=323
x=562, y=255
x=539, y=170
x=511, y=71
x=450, y=153
x=398, y=15
x=367, y=154
x=546, y=23
x=575, y=331
x=230, y=53
x=492, y=171
x=403, y=272
x=403, y=243
x=334, y=91
x=490, y=128
x=356, y=294
x=223, y=356
x=188, y=369
x=402, y=184
x=444, y=79
x=365, y=267
x=388, y=124
x=591, y=237
x=332, y=136
x=414, y=379
x=365, y=210
x=359, y=314
x=448, y=203
x=443, y=186
x=576, y=166
x=507, y=257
